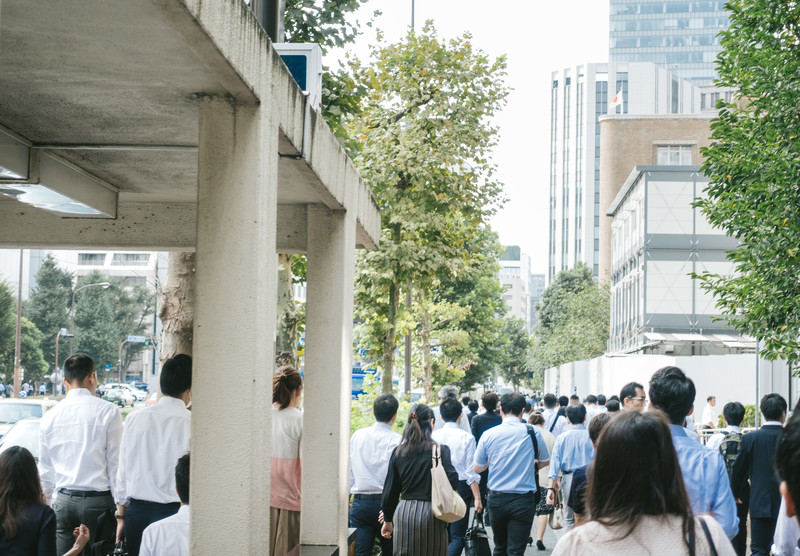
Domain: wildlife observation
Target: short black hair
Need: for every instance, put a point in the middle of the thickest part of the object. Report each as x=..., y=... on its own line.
x=612, y=406
x=601, y=399
x=490, y=400
x=563, y=401
x=629, y=390
x=672, y=392
x=574, y=399
x=465, y=400
x=77, y=367
x=385, y=407
x=527, y=406
x=733, y=413
x=176, y=375
x=773, y=406
x=550, y=400
x=596, y=426
x=615, y=397
x=182, y=478
x=450, y=409
x=708, y=399
x=576, y=413
x=473, y=405
x=512, y=403
x=591, y=398
x=787, y=457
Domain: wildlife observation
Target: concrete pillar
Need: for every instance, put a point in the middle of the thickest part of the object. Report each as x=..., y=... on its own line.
x=234, y=320
x=327, y=377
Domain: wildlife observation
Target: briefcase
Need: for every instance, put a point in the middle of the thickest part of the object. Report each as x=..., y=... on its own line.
x=476, y=541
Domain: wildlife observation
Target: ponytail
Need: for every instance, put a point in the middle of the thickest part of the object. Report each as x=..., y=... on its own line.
x=285, y=383
x=417, y=434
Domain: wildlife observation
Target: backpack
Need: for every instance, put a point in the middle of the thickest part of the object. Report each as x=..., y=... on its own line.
x=729, y=448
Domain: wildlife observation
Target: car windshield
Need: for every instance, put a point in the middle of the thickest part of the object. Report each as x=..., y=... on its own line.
x=12, y=412
x=25, y=434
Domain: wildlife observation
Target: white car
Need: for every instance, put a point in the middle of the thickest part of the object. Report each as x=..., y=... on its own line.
x=138, y=395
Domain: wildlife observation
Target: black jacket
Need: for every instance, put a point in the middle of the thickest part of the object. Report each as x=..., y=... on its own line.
x=756, y=461
x=483, y=422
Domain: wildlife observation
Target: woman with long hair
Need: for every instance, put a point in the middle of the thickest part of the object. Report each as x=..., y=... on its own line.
x=543, y=509
x=637, y=500
x=410, y=523
x=285, y=468
x=27, y=523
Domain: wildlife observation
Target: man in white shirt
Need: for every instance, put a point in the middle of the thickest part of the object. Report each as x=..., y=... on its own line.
x=710, y=416
x=78, y=453
x=153, y=440
x=370, y=450
x=462, y=455
x=445, y=392
x=170, y=536
x=553, y=422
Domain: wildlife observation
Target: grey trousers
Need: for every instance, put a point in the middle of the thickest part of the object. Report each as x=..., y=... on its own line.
x=569, y=515
x=74, y=510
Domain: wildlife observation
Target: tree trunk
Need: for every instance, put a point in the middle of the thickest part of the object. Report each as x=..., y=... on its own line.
x=390, y=340
x=176, y=306
x=286, y=329
x=425, y=335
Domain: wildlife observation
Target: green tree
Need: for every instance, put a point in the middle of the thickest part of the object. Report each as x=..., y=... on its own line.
x=576, y=315
x=48, y=306
x=753, y=164
x=31, y=358
x=425, y=143
x=514, y=366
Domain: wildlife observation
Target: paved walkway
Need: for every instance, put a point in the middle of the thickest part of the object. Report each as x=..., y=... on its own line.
x=549, y=542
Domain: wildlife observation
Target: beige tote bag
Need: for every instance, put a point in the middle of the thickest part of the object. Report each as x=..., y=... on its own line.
x=446, y=503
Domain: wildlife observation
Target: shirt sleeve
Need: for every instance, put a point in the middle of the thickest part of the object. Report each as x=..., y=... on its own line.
x=480, y=453
x=352, y=451
x=47, y=533
x=447, y=463
x=47, y=474
x=544, y=453
x=469, y=457
x=113, y=439
x=391, y=489
x=724, y=506
x=555, y=457
x=121, y=494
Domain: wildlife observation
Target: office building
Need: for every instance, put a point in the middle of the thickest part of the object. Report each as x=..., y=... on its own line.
x=515, y=275
x=677, y=35
x=579, y=96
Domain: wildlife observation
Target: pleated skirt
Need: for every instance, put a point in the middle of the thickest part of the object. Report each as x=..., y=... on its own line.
x=417, y=532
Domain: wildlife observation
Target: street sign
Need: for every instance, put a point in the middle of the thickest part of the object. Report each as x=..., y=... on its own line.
x=137, y=339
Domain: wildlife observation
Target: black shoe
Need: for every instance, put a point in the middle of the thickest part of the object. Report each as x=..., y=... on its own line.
x=540, y=545
x=530, y=541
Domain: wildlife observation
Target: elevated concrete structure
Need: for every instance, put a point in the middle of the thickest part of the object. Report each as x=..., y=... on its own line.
x=185, y=111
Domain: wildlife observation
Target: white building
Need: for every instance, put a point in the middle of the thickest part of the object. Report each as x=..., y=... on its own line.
x=579, y=96
x=515, y=275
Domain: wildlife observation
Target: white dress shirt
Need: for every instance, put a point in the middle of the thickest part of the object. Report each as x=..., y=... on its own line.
x=439, y=422
x=709, y=416
x=462, y=450
x=549, y=415
x=168, y=537
x=370, y=450
x=153, y=440
x=716, y=439
x=79, y=444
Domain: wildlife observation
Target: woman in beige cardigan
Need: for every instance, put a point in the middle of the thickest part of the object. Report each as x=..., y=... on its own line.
x=637, y=500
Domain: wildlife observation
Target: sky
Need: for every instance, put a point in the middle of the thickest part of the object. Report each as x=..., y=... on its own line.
x=537, y=37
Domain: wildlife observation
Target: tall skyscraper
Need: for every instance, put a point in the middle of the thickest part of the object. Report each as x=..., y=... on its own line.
x=680, y=36
x=579, y=96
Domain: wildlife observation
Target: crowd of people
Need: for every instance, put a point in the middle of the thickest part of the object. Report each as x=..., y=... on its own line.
x=633, y=474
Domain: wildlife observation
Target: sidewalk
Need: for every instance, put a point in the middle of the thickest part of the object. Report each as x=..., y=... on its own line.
x=549, y=541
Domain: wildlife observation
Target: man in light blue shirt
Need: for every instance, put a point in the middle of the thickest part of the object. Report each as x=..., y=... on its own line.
x=507, y=450
x=573, y=449
x=703, y=469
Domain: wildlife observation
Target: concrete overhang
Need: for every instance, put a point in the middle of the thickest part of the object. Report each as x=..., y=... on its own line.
x=112, y=87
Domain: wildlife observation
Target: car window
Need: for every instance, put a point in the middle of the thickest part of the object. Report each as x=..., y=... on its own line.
x=12, y=412
x=25, y=434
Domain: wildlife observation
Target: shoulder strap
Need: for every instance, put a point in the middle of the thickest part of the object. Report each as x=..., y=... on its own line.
x=435, y=455
x=708, y=537
x=532, y=433
x=553, y=424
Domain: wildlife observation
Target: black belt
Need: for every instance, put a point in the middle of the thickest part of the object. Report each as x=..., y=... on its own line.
x=367, y=496
x=84, y=493
x=566, y=472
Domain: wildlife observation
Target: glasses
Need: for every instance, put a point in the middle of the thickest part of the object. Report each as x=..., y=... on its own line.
x=638, y=399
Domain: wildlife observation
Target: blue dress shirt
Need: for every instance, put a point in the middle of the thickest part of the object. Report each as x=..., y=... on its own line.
x=573, y=449
x=706, y=480
x=508, y=450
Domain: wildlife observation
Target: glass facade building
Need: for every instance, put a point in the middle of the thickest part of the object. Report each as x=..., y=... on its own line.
x=678, y=35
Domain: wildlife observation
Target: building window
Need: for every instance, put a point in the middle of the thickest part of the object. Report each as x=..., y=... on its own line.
x=675, y=155
x=91, y=259
x=130, y=259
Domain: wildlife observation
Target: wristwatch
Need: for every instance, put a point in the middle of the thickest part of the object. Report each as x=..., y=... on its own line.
x=119, y=516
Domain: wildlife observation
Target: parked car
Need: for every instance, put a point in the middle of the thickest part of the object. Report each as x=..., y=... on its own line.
x=25, y=433
x=141, y=386
x=152, y=399
x=12, y=410
x=137, y=394
x=119, y=397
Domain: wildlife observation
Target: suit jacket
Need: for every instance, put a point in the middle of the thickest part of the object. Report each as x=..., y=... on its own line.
x=756, y=461
x=483, y=422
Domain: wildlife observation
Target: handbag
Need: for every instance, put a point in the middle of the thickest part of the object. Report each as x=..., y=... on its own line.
x=446, y=503
x=476, y=540
x=556, y=519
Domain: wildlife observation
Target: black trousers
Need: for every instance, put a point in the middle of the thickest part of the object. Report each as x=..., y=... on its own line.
x=739, y=542
x=512, y=518
x=364, y=519
x=761, y=532
x=140, y=514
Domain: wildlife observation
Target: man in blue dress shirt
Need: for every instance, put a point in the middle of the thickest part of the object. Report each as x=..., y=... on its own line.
x=573, y=449
x=703, y=469
x=507, y=451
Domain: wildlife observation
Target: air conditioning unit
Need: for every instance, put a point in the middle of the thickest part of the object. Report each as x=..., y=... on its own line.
x=669, y=348
x=304, y=61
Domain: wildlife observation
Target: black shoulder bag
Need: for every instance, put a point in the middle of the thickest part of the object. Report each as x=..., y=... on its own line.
x=532, y=433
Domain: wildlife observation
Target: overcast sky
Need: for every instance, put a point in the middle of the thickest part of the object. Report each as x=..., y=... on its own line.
x=538, y=37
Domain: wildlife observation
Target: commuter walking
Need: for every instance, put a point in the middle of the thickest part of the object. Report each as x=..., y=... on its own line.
x=450, y=392
x=285, y=467
x=756, y=462
x=171, y=534
x=370, y=450
x=481, y=423
x=577, y=492
x=410, y=522
x=632, y=396
x=637, y=501
x=79, y=452
x=509, y=451
x=153, y=440
x=554, y=422
x=710, y=416
x=543, y=509
x=704, y=472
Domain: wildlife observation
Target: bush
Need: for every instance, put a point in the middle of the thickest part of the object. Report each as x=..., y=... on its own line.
x=361, y=413
x=749, y=417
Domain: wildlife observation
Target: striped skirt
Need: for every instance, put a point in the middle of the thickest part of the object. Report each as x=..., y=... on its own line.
x=417, y=532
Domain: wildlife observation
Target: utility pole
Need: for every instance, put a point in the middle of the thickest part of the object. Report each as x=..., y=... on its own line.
x=18, y=338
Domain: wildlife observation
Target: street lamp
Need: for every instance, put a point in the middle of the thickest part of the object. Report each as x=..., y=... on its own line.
x=104, y=285
x=63, y=333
